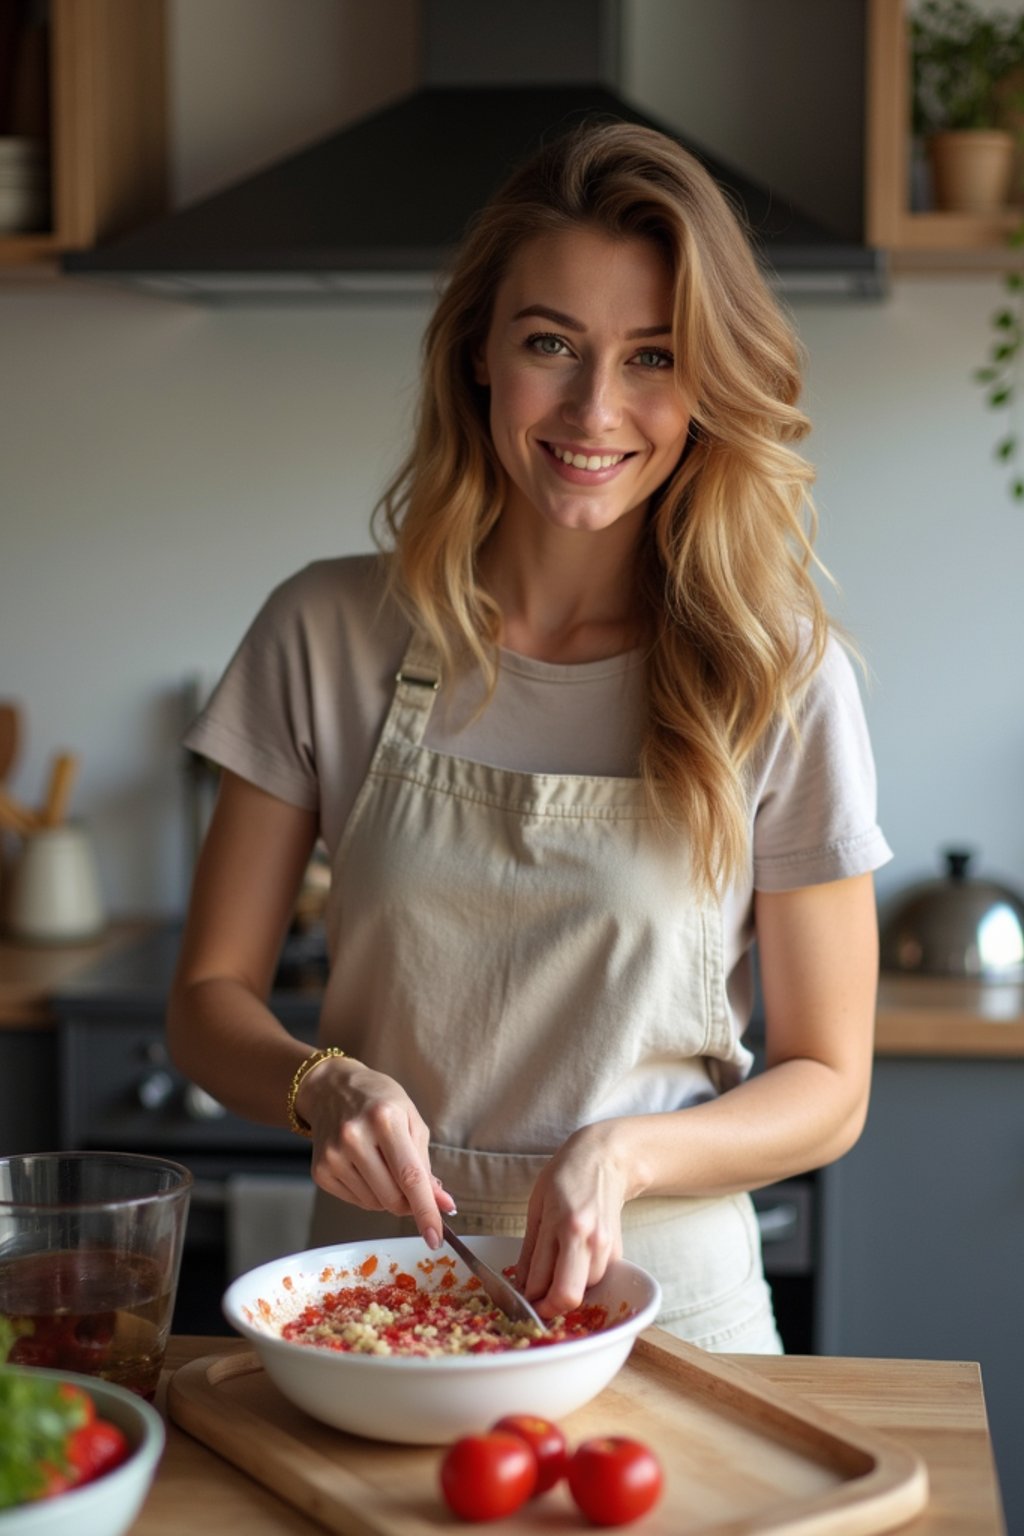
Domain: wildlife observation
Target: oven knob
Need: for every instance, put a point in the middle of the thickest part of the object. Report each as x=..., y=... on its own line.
x=155, y=1089
x=200, y=1105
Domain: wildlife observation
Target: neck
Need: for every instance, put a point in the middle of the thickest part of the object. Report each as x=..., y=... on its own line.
x=564, y=596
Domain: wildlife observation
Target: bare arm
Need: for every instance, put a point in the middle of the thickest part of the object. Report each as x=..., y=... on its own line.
x=819, y=962
x=369, y=1142
x=220, y=1031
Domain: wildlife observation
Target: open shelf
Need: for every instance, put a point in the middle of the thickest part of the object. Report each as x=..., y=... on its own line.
x=917, y=240
x=107, y=125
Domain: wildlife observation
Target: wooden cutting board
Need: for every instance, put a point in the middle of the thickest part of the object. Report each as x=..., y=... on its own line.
x=741, y=1456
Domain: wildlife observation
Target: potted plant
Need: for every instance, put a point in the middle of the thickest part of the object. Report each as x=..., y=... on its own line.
x=963, y=62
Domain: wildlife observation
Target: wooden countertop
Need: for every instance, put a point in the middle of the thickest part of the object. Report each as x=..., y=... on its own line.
x=29, y=973
x=935, y=1016
x=936, y=1407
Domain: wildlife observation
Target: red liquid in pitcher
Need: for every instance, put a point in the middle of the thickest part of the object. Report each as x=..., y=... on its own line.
x=94, y=1310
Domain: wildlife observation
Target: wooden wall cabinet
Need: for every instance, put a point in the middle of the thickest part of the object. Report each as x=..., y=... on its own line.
x=108, y=126
x=915, y=239
x=108, y=140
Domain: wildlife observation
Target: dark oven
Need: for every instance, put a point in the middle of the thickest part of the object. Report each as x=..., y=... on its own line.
x=119, y=1090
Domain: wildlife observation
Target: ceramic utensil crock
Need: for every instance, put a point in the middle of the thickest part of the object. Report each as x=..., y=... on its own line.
x=54, y=893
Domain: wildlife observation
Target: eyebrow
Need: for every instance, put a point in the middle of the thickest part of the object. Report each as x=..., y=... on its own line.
x=543, y=312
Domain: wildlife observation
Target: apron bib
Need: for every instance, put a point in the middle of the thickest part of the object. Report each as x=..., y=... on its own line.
x=525, y=954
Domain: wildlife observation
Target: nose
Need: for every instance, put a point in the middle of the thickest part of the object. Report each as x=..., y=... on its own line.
x=594, y=402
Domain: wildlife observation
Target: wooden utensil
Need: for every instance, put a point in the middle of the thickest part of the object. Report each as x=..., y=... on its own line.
x=10, y=737
x=63, y=772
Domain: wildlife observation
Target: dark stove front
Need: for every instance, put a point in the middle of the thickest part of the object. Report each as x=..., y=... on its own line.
x=119, y=1090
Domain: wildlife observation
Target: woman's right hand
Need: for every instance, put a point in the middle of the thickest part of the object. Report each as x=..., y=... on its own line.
x=370, y=1144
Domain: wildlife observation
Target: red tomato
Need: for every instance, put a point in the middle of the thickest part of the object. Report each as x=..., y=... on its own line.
x=81, y=1404
x=53, y=1481
x=486, y=1476
x=614, y=1480
x=546, y=1442
x=96, y=1448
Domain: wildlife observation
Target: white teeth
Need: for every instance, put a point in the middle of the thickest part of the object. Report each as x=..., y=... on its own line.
x=587, y=461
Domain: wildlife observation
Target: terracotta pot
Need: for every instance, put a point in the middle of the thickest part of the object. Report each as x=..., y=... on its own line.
x=972, y=170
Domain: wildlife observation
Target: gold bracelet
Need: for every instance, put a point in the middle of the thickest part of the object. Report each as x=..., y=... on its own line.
x=298, y=1125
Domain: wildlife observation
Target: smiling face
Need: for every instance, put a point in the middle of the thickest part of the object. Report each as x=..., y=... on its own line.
x=586, y=415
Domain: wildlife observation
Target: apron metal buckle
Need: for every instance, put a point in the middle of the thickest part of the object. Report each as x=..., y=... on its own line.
x=429, y=681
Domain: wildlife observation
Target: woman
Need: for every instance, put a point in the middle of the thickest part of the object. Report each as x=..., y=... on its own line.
x=577, y=739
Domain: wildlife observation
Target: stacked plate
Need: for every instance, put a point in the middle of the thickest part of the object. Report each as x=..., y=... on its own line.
x=24, y=185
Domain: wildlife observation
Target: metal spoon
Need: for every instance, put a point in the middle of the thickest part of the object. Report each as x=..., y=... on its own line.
x=504, y=1295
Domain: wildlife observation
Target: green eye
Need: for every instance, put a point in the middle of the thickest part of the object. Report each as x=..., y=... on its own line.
x=654, y=357
x=547, y=344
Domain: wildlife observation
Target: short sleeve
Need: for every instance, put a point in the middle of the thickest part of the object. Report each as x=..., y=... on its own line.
x=258, y=722
x=816, y=797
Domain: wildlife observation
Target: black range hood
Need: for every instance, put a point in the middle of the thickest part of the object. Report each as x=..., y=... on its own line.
x=375, y=209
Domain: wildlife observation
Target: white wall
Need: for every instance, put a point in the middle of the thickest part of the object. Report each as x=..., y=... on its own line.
x=164, y=465
x=929, y=552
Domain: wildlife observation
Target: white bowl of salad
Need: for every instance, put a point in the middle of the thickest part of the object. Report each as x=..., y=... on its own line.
x=392, y=1341
x=77, y=1454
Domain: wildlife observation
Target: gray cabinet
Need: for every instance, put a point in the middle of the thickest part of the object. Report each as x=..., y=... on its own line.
x=923, y=1235
x=28, y=1090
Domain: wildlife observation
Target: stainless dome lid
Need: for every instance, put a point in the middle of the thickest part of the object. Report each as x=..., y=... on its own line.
x=956, y=926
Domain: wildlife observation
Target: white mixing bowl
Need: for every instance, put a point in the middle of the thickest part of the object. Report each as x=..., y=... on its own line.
x=429, y=1401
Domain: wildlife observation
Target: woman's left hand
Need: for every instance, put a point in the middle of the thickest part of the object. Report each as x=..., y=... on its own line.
x=573, y=1221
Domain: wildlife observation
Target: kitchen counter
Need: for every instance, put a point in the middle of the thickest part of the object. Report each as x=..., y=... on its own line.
x=936, y=1016
x=128, y=970
x=30, y=974
x=936, y=1407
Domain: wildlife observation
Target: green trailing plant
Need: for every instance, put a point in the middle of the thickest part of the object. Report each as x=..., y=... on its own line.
x=1001, y=375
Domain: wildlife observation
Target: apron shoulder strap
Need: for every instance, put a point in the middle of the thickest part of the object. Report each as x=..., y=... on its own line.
x=416, y=687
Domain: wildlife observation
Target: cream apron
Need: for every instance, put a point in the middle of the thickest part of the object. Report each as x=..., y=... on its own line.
x=525, y=955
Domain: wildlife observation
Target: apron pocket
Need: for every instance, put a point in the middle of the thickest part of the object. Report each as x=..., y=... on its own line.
x=335, y=1221
x=495, y=1182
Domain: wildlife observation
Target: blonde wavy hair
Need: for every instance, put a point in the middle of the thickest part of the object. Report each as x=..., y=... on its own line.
x=725, y=596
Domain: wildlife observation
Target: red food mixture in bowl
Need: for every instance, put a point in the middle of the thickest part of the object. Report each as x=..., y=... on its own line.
x=403, y=1317
x=393, y=1342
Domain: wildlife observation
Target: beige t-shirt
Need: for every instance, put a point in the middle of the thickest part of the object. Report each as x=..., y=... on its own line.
x=300, y=707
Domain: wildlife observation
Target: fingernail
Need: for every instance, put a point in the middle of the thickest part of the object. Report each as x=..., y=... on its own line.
x=432, y=1238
